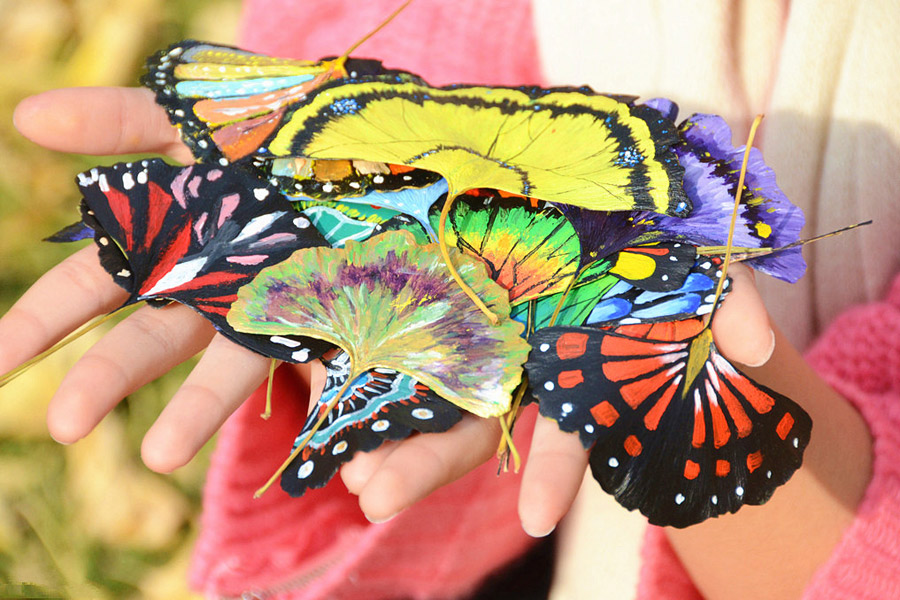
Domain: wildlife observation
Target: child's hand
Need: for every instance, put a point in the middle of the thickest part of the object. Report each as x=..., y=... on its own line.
x=150, y=341
x=805, y=519
x=396, y=475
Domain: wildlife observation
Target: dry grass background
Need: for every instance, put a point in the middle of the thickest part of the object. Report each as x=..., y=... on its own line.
x=87, y=520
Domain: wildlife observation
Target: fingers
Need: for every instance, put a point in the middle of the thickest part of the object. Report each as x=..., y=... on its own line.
x=552, y=477
x=67, y=296
x=225, y=377
x=418, y=466
x=356, y=473
x=741, y=326
x=142, y=347
x=95, y=120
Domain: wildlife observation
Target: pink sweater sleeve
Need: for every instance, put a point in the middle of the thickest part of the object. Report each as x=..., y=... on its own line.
x=859, y=355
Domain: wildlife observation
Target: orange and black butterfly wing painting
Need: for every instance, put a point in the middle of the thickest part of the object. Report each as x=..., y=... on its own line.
x=674, y=430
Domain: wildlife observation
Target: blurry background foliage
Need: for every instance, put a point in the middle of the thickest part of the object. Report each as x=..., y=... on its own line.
x=87, y=520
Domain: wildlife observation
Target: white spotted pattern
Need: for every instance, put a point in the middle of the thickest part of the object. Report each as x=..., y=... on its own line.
x=423, y=413
x=305, y=470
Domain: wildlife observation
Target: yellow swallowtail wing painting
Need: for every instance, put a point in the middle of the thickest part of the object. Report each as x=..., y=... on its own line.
x=563, y=145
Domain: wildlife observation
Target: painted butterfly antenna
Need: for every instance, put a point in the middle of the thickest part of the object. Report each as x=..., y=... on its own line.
x=9, y=376
x=296, y=452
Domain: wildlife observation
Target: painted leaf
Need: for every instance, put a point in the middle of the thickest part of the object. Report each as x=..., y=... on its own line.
x=563, y=145
x=392, y=304
x=339, y=179
x=227, y=101
x=674, y=430
x=712, y=164
x=194, y=235
x=530, y=251
x=415, y=202
x=624, y=303
x=593, y=283
x=381, y=404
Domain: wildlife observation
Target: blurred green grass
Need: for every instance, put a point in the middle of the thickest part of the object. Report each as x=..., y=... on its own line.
x=87, y=520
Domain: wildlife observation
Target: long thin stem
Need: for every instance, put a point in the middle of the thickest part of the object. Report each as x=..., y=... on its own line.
x=328, y=408
x=734, y=214
x=9, y=376
x=741, y=253
x=507, y=421
x=567, y=291
x=381, y=26
x=271, y=380
x=508, y=442
x=445, y=253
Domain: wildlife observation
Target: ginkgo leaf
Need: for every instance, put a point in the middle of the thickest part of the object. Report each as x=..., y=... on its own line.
x=564, y=145
x=530, y=251
x=390, y=303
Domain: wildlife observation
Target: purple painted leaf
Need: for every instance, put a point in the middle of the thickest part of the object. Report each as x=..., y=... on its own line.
x=391, y=303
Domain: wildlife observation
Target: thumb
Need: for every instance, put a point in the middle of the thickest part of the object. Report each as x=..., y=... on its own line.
x=741, y=327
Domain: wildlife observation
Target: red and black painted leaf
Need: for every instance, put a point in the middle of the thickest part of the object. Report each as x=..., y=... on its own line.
x=674, y=430
x=195, y=235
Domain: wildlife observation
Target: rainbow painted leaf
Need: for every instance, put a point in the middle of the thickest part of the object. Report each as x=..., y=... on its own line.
x=392, y=304
x=564, y=145
x=195, y=235
x=674, y=430
x=381, y=404
x=227, y=101
x=530, y=250
x=577, y=304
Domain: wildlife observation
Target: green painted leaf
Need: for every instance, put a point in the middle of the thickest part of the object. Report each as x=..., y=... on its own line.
x=579, y=302
x=391, y=303
x=531, y=251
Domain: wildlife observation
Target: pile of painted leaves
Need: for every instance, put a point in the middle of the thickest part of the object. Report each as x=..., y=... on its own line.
x=591, y=227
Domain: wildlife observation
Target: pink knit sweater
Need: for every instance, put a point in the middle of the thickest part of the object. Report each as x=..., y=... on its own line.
x=321, y=546
x=859, y=355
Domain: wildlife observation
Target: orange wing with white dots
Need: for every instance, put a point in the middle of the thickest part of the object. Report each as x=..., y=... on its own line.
x=674, y=430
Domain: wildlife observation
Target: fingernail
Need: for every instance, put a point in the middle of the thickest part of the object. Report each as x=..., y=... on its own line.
x=538, y=533
x=58, y=441
x=376, y=521
x=767, y=354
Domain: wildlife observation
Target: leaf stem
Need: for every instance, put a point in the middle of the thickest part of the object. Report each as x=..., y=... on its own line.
x=9, y=376
x=269, y=382
x=445, y=253
x=328, y=408
x=734, y=213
